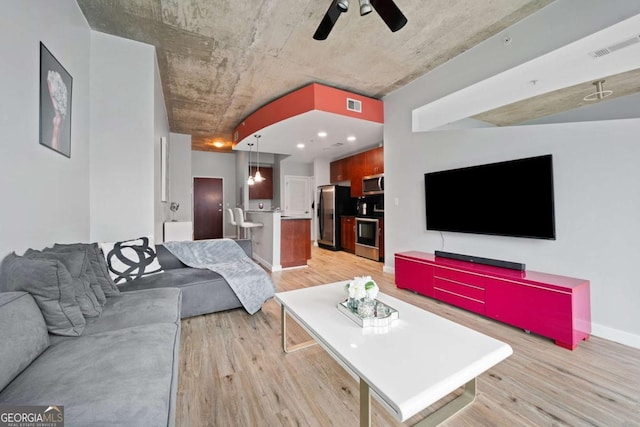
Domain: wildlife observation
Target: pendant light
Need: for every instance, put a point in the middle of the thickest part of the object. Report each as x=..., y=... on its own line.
x=250, y=181
x=258, y=177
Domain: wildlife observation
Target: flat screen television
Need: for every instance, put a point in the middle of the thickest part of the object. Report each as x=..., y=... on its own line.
x=513, y=198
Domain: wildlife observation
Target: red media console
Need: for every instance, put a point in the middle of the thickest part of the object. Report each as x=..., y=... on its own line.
x=553, y=306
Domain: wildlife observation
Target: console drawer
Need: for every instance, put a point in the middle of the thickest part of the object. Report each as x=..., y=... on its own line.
x=459, y=288
x=459, y=300
x=459, y=276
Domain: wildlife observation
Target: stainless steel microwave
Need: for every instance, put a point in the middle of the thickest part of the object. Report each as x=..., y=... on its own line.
x=373, y=184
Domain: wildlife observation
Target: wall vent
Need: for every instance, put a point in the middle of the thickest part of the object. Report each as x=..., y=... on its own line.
x=354, y=105
x=614, y=47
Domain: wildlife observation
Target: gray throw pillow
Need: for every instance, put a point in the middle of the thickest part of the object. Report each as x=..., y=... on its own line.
x=51, y=285
x=23, y=334
x=75, y=262
x=98, y=264
x=88, y=270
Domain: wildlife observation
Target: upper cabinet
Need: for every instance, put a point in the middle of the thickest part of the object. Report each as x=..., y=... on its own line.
x=374, y=161
x=264, y=189
x=355, y=167
x=338, y=171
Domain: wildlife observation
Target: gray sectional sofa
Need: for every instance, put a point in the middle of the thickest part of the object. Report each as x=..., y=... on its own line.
x=203, y=291
x=121, y=367
x=122, y=370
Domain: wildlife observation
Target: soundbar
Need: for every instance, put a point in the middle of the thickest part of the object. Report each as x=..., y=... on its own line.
x=479, y=260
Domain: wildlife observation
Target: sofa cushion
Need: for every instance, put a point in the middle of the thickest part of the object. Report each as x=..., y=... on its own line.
x=76, y=263
x=51, y=286
x=88, y=269
x=122, y=377
x=23, y=334
x=98, y=263
x=203, y=291
x=131, y=259
x=134, y=309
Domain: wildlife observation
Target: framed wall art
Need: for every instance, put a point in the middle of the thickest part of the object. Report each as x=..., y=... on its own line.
x=55, y=103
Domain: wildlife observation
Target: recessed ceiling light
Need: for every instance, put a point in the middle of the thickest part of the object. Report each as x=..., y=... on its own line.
x=322, y=134
x=218, y=144
x=301, y=145
x=351, y=138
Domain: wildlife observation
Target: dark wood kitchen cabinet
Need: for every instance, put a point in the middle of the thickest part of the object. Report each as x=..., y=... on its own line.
x=354, y=168
x=264, y=189
x=348, y=233
x=338, y=171
x=373, y=162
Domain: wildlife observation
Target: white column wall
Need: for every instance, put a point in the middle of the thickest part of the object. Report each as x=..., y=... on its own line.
x=122, y=138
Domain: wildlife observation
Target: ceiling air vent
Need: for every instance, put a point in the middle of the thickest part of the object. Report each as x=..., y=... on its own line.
x=354, y=105
x=616, y=46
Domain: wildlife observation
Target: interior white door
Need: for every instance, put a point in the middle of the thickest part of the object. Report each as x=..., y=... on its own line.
x=297, y=196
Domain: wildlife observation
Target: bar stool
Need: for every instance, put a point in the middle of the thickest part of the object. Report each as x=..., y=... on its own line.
x=239, y=217
x=233, y=222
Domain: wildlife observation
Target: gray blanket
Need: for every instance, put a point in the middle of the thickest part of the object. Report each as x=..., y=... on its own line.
x=252, y=284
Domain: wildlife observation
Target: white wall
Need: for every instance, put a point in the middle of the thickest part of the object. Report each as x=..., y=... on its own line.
x=160, y=130
x=45, y=196
x=218, y=165
x=122, y=137
x=180, y=177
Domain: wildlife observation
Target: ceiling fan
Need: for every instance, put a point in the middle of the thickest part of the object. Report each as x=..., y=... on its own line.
x=387, y=9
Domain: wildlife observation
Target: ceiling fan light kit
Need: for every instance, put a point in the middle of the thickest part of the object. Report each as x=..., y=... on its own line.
x=365, y=7
x=387, y=9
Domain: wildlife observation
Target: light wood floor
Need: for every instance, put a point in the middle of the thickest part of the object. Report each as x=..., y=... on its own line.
x=233, y=371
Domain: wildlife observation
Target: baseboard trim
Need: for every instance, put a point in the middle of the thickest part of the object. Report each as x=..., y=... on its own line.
x=612, y=334
x=387, y=269
x=266, y=264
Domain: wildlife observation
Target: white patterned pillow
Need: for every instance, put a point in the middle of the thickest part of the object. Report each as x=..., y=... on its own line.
x=131, y=259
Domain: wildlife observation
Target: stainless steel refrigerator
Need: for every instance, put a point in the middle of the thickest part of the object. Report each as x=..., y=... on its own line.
x=333, y=201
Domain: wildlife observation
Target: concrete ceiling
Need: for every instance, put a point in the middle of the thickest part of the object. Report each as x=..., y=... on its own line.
x=220, y=60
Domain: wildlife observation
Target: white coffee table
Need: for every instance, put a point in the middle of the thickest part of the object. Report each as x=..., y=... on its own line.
x=408, y=366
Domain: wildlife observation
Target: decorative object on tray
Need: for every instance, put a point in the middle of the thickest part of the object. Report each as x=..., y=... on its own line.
x=362, y=307
x=384, y=315
x=359, y=289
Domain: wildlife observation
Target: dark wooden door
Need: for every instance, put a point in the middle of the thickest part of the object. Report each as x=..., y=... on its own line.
x=207, y=208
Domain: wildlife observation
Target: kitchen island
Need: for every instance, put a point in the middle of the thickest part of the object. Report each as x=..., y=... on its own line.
x=282, y=242
x=295, y=241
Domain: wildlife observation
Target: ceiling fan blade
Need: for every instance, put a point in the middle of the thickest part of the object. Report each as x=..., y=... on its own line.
x=328, y=21
x=390, y=14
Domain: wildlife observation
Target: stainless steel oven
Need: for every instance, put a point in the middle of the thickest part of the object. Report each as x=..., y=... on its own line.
x=368, y=238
